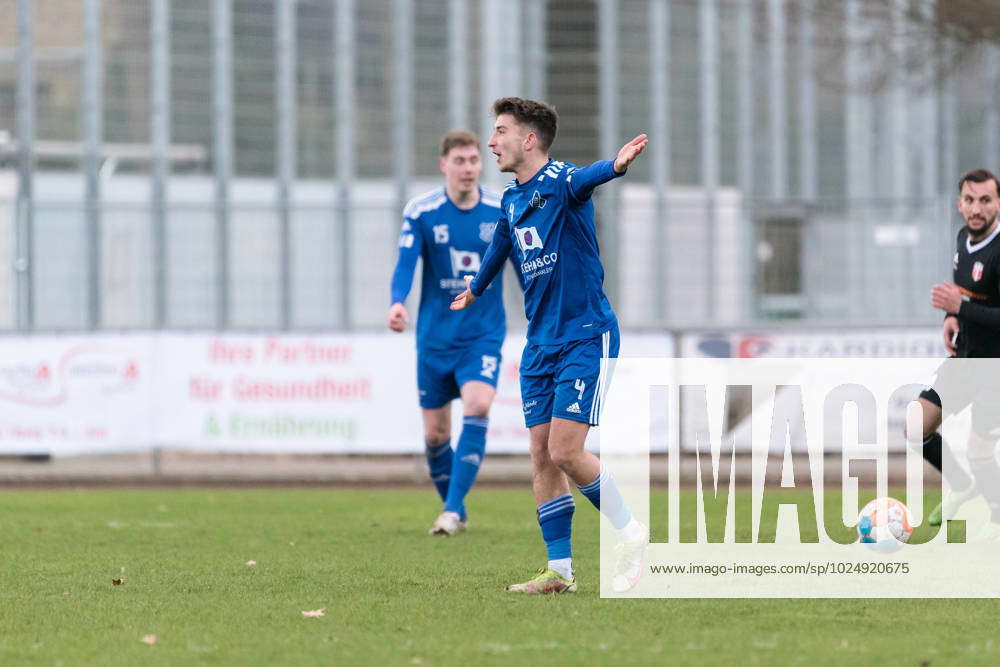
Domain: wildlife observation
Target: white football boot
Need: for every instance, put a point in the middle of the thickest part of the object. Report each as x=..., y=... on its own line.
x=447, y=523
x=629, y=564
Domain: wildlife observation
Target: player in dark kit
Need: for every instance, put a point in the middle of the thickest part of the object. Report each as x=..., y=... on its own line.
x=971, y=329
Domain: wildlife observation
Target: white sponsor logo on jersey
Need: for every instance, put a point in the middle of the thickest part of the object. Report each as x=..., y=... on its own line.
x=528, y=238
x=977, y=272
x=464, y=261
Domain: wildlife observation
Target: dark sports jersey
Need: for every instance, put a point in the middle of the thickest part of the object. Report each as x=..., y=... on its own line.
x=976, y=271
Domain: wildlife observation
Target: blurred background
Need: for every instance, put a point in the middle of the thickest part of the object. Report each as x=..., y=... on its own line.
x=239, y=166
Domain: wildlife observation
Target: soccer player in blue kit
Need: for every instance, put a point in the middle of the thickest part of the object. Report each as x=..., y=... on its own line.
x=547, y=219
x=450, y=227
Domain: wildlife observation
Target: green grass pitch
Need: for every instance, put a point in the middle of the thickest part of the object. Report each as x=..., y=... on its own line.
x=391, y=593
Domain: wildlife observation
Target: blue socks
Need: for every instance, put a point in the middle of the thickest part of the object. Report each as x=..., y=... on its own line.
x=439, y=464
x=466, y=461
x=556, y=520
x=612, y=505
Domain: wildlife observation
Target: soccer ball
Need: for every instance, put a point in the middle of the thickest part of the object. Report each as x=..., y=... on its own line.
x=885, y=525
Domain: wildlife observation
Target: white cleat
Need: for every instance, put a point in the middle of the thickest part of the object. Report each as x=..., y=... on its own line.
x=447, y=523
x=629, y=564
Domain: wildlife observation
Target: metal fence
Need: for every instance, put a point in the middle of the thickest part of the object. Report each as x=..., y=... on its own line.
x=242, y=163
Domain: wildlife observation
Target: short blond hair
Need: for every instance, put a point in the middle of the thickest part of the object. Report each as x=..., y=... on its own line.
x=457, y=138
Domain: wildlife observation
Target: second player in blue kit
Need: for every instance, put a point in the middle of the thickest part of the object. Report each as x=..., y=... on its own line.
x=457, y=357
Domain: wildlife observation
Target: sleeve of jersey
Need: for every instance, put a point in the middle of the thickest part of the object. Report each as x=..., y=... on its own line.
x=496, y=255
x=985, y=316
x=583, y=181
x=410, y=245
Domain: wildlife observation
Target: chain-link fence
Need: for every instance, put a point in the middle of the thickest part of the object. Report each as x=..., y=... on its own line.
x=243, y=163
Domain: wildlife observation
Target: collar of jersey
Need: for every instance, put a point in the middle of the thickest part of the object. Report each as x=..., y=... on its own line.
x=973, y=247
x=534, y=177
x=444, y=191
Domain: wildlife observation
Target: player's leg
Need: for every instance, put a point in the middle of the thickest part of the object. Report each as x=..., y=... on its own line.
x=580, y=387
x=553, y=500
x=566, y=447
x=436, y=383
x=983, y=463
x=437, y=446
x=555, y=508
x=961, y=489
x=477, y=397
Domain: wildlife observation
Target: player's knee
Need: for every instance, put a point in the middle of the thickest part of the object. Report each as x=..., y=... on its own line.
x=477, y=407
x=563, y=455
x=539, y=450
x=435, y=436
x=924, y=433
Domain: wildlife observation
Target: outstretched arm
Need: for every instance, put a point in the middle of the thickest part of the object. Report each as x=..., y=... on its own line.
x=496, y=255
x=585, y=180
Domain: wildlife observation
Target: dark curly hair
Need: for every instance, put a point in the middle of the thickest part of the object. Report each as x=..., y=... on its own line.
x=539, y=116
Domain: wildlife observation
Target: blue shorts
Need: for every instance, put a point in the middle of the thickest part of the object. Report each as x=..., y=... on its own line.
x=441, y=373
x=565, y=380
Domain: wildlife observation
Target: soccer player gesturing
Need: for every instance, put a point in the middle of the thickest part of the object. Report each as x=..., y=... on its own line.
x=450, y=227
x=547, y=219
x=972, y=311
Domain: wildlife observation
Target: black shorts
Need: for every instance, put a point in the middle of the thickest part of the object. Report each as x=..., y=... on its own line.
x=981, y=394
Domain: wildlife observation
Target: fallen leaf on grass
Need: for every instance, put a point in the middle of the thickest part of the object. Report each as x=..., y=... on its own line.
x=117, y=582
x=66, y=593
x=251, y=563
x=314, y=613
x=149, y=639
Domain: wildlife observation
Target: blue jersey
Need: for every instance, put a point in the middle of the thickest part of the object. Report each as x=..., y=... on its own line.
x=548, y=222
x=452, y=243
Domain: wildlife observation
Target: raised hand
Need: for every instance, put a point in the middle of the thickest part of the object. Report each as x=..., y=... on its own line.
x=465, y=299
x=630, y=152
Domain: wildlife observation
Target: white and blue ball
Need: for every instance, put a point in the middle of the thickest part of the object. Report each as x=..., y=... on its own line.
x=885, y=525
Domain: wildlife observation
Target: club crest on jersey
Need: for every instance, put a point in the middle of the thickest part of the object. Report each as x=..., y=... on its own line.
x=977, y=272
x=528, y=238
x=486, y=231
x=464, y=261
x=537, y=200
